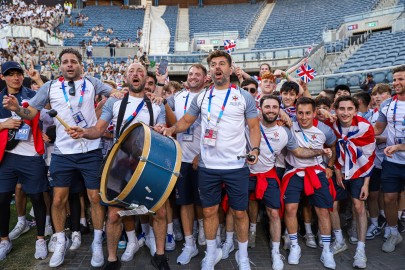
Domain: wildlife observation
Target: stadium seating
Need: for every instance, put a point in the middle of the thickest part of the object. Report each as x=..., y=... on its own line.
x=170, y=17
x=293, y=23
x=123, y=21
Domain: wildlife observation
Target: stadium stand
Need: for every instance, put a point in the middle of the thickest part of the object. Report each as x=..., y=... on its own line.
x=170, y=17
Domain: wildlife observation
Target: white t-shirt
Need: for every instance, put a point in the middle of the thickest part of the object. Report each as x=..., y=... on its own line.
x=190, y=149
x=52, y=92
x=379, y=149
x=231, y=140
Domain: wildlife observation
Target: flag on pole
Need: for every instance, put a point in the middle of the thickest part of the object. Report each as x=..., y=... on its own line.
x=229, y=45
x=308, y=51
x=306, y=73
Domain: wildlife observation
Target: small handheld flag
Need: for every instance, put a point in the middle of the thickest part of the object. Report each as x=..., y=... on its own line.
x=229, y=45
x=306, y=73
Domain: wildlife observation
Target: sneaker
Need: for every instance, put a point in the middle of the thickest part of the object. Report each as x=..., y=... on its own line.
x=59, y=253
x=76, y=240
x=320, y=243
x=150, y=242
x=382, y=222
x=48, y=230
x=170, y=243
x=252, y=239
x=226, y=249
x=277, y=259
x=328, y=260
x=41, y=251
x=387, y=233
x=287, y=241
x=5, y=248
x=112, y=265
x=160, y=262
x=243, y=263
x=401, y=227
x=178, y=234
x=122, y=244
x=295, y=254
x=352, y=232
x=188, y=253
x=141, y=239
x=337, y=247
x=97, y=257
x=52, y=243
x=19, y=229
x=128, y=255
x=208, y=263
x=372, y=232
x=360, y=259
x=392, y=241
x=310, y=240
x=201, y=237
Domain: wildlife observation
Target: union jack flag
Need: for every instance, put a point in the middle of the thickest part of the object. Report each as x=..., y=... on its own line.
x=229, y=45
x=308, y=51
x=306, y=73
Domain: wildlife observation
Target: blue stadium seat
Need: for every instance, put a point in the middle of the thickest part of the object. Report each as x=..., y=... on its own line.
x=330, y=83
x=379, y=77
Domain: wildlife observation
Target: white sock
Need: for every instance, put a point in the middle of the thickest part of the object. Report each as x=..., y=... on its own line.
x=145, y=228
x=338, y=235
x=399, y=214
x=131, y=236
x=61, y=236
x=394, y=230
x=83, y=221
x=326, y=242
x=48, y=221
x=361, y=245
x=22, y=219
x=98, y=234
x=252, y=227
x=211, y=247
x=189, y=240
x=308, y=228
x=275, y=246
x=382, y=213
x=243, y=249
x=229, y=237
x=170, y=228
x=374, y=221
x=293, y=238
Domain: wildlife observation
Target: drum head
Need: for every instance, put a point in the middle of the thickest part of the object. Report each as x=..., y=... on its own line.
x=125, y=162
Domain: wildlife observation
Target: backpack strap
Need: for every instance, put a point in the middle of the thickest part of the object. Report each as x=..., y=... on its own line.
x=120, y=118
x=149, y=105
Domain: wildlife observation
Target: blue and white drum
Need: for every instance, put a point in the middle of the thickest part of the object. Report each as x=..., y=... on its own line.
x=141, y=169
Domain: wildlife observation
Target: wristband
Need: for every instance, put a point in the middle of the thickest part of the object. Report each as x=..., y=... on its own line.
x=286, y=75
x=256, y=148
x=164, y=101
x=160, y=84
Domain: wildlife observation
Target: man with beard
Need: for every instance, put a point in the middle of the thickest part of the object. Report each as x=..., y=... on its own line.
x=225, y=110
x=136, y=77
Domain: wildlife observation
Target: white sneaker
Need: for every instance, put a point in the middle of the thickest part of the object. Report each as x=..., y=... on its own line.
x=132, y=248
x=76, y=240
x=59, y=253
x=150, y=242
x=48, y=230
x=310, y=240
x=188, y=253
x=287, y=241
x=387, y=233
x=208, y=263
x=52, y=243
x=178, y=234
x=226, y=249
x=201, y=237
x=337, y=247
x=141, y=239
x=328, y=260
x=170, y=243
x=19, y=229
x=295, y=254
x=372, y=232
x=97, y=258
x=392, y=241
x=277, y=259
x=243, y=263
x=360, y=259
x=41, y=251
x=5, y=248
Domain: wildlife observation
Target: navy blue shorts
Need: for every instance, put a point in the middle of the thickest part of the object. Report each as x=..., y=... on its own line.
x=353, y=187
x=187, y=186
x=28, y=171
x=64, y=169
x=321, y=198
x=375, y=180
x=392, y=177
x=280, y=172
x=236, y=185
x=271, y=196
x=341, y=193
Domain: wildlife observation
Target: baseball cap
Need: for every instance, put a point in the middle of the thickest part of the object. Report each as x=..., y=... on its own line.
x=6, y=66
x=369, y=75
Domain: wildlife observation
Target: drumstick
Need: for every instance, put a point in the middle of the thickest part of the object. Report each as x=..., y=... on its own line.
x=52, y=113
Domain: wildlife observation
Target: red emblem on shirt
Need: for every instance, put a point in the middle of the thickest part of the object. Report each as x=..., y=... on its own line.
x=235, y=98
x=276, y=135
x=313, y=137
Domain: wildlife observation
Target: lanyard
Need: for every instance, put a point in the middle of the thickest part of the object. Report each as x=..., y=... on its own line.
x=185, y=104
x=135, y=113
x=303, y=134
x=222, y=108
x=265, y=138
x=81, y=95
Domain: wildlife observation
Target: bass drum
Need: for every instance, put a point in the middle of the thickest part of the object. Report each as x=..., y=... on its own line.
x=141, y=169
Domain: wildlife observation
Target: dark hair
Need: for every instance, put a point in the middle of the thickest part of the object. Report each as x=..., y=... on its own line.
x=202, y=67
x=150, y=74
x=345, y=98
x=249, y=81
x=265, y=97
x=290, y=86
x=343, y=87
x=305, y=101
x=215, y=54
x=265, y=64
x=329, y=93
x=72, y=51
x=323, y=101
x=364, y=97
x=398, y=69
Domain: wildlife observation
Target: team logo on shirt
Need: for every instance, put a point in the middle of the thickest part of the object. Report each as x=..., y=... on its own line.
x=313, y=137
x=235, y=101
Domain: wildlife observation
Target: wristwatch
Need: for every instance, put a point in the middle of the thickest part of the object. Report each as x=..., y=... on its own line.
x=258, y=150
x=160, y=84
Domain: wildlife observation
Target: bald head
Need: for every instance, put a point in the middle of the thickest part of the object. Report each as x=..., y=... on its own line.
x=136, y=76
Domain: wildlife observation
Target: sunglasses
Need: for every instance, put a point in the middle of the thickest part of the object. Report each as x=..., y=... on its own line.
x=72, y=90
x=251, y=90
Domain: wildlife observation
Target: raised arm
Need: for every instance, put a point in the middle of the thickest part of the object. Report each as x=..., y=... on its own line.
x=10, y=102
